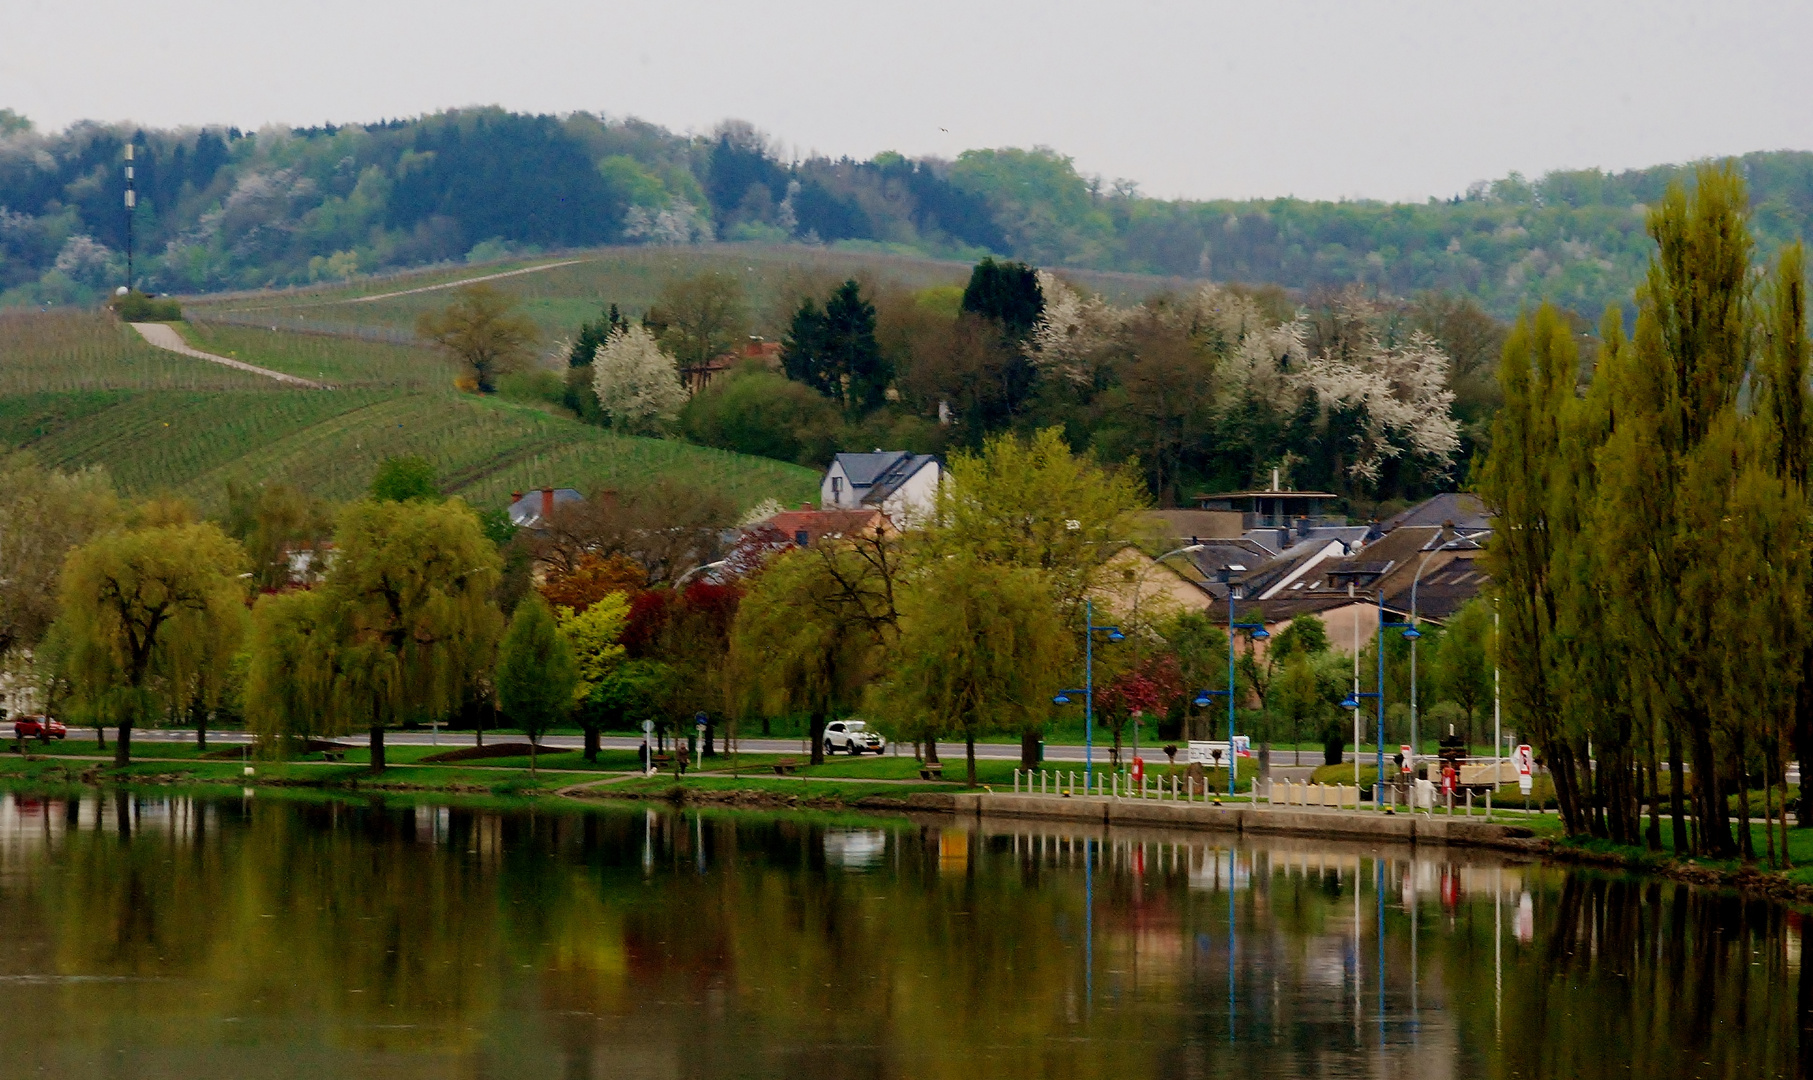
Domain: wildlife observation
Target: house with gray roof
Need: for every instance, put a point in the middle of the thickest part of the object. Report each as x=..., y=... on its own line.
x=901, y=485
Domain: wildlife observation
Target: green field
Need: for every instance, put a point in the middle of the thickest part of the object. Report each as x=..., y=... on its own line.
x=78, y=389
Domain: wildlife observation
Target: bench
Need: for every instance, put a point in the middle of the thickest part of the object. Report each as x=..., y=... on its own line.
x=333, y=755
x=660, y=761
x=786, y=767
x=932, y=770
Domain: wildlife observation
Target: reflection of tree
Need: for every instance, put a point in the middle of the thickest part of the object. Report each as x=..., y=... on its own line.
x=444, y=942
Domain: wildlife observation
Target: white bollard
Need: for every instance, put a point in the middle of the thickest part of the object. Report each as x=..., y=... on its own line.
x=1073, y=781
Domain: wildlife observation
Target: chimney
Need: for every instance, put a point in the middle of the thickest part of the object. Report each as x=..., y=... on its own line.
x=515, y=497
x=547, y=503
x=1274, y=479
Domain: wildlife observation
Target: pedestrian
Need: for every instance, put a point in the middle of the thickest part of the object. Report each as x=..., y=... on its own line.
x=681, y=756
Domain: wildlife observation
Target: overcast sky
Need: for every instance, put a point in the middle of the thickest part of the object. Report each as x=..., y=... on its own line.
x=1394, y=99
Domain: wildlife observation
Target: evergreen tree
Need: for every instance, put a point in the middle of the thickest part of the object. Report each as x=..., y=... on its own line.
x=834, y=351
x=1008, y=295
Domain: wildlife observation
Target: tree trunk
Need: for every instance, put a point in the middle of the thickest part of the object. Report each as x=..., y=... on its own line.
x=969, y=753
x=201, y=729
x=709, y=749
x=122, y=746
x=377, y=747
x=1677, y=793
x=816, y=735
x=591, y=743
x=534, y=748
x=1714, y=816
x=100, y=738
x=1655, y=798
x=931, y=750
x=1029, y=748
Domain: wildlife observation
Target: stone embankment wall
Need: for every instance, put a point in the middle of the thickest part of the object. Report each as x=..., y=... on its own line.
x=1404, y=828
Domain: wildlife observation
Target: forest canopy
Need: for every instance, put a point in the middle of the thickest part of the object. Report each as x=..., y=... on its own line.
x=222, y=208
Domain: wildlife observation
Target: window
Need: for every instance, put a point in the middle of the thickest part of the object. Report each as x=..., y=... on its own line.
x=802, y=538
x=835, y=727
x=837, y=489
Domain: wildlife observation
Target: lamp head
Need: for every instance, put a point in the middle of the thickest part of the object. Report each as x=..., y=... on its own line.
x=1201, y=700
x=1261, y=634
x=1116, y=635
x=1061, y=699
x=1412, y=633
x=1349, y=703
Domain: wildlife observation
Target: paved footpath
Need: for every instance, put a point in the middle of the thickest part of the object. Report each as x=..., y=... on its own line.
x=164, y=336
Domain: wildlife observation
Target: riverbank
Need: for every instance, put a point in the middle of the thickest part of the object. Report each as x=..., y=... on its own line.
x=884, y=784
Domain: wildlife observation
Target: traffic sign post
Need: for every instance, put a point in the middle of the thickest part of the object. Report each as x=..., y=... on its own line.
x=1526, y=767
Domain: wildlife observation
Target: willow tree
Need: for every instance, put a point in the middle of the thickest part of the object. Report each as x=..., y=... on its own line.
x=412, y=582
x=982, y=648
x=1033, y=504
x=799, y=645
x=295, y=684
x=149, y=613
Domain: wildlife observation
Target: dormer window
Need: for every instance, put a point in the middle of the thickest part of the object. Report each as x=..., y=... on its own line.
x=802, y=538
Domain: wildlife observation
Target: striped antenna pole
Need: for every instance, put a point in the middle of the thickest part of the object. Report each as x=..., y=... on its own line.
x=131, y=202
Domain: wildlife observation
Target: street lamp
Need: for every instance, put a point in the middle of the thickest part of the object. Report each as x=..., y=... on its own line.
x=1257, y=632
x=1088, y=690
x=1352, y=701
x=1413, y=634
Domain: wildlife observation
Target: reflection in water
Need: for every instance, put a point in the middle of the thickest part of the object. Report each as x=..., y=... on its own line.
x=266, y=937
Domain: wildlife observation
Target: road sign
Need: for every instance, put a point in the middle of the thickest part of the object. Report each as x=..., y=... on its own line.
x=1404, y=754
x=647, y=726
x=698, y=721
x=1525, y=760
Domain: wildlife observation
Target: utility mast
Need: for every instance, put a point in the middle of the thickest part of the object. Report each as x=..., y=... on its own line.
x=131, y=202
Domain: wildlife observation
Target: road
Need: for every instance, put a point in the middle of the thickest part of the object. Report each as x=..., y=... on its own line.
x=453, y=740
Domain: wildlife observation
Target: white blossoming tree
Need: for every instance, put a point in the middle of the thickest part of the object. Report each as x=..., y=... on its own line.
x=638, y=385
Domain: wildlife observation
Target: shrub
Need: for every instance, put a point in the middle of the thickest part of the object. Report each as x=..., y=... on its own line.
x=135, y=306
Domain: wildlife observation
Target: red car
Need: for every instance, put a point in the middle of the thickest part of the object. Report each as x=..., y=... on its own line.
x=39, y=727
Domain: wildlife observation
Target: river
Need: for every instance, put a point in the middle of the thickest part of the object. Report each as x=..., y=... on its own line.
x=163, y=936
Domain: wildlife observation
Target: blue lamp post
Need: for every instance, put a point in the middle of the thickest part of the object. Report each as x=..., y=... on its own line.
x=1257, y=632
x=1088, y=690
x=1353, y=700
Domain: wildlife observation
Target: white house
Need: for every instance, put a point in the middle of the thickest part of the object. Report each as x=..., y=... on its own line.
x=899, y=484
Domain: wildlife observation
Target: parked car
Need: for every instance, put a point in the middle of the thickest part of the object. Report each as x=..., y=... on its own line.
x=39, y=727
x=852, y=737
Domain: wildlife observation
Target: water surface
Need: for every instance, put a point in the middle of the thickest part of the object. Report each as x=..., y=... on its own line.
x=264, y=937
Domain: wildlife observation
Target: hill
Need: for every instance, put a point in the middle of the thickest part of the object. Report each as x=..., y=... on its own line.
x=222, y=209
x=80, y=389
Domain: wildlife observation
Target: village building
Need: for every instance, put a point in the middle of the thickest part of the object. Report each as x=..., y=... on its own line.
x=902, y=485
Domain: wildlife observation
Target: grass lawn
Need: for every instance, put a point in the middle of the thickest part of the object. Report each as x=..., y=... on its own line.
x=775, y=785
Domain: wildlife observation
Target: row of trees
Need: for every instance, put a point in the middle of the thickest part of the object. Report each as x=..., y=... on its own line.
x=1652, y=557
x=404, y=608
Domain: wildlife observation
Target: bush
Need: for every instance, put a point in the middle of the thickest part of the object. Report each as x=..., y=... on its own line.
x=135, y=306
x=754, y=411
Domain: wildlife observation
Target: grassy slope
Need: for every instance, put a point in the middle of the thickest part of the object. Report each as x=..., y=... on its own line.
x=560, y=299
x=78, y=389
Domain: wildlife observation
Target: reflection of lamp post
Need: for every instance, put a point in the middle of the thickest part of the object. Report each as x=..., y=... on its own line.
x=1353, y=700
x=1088, y=690
x=1257, y=632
